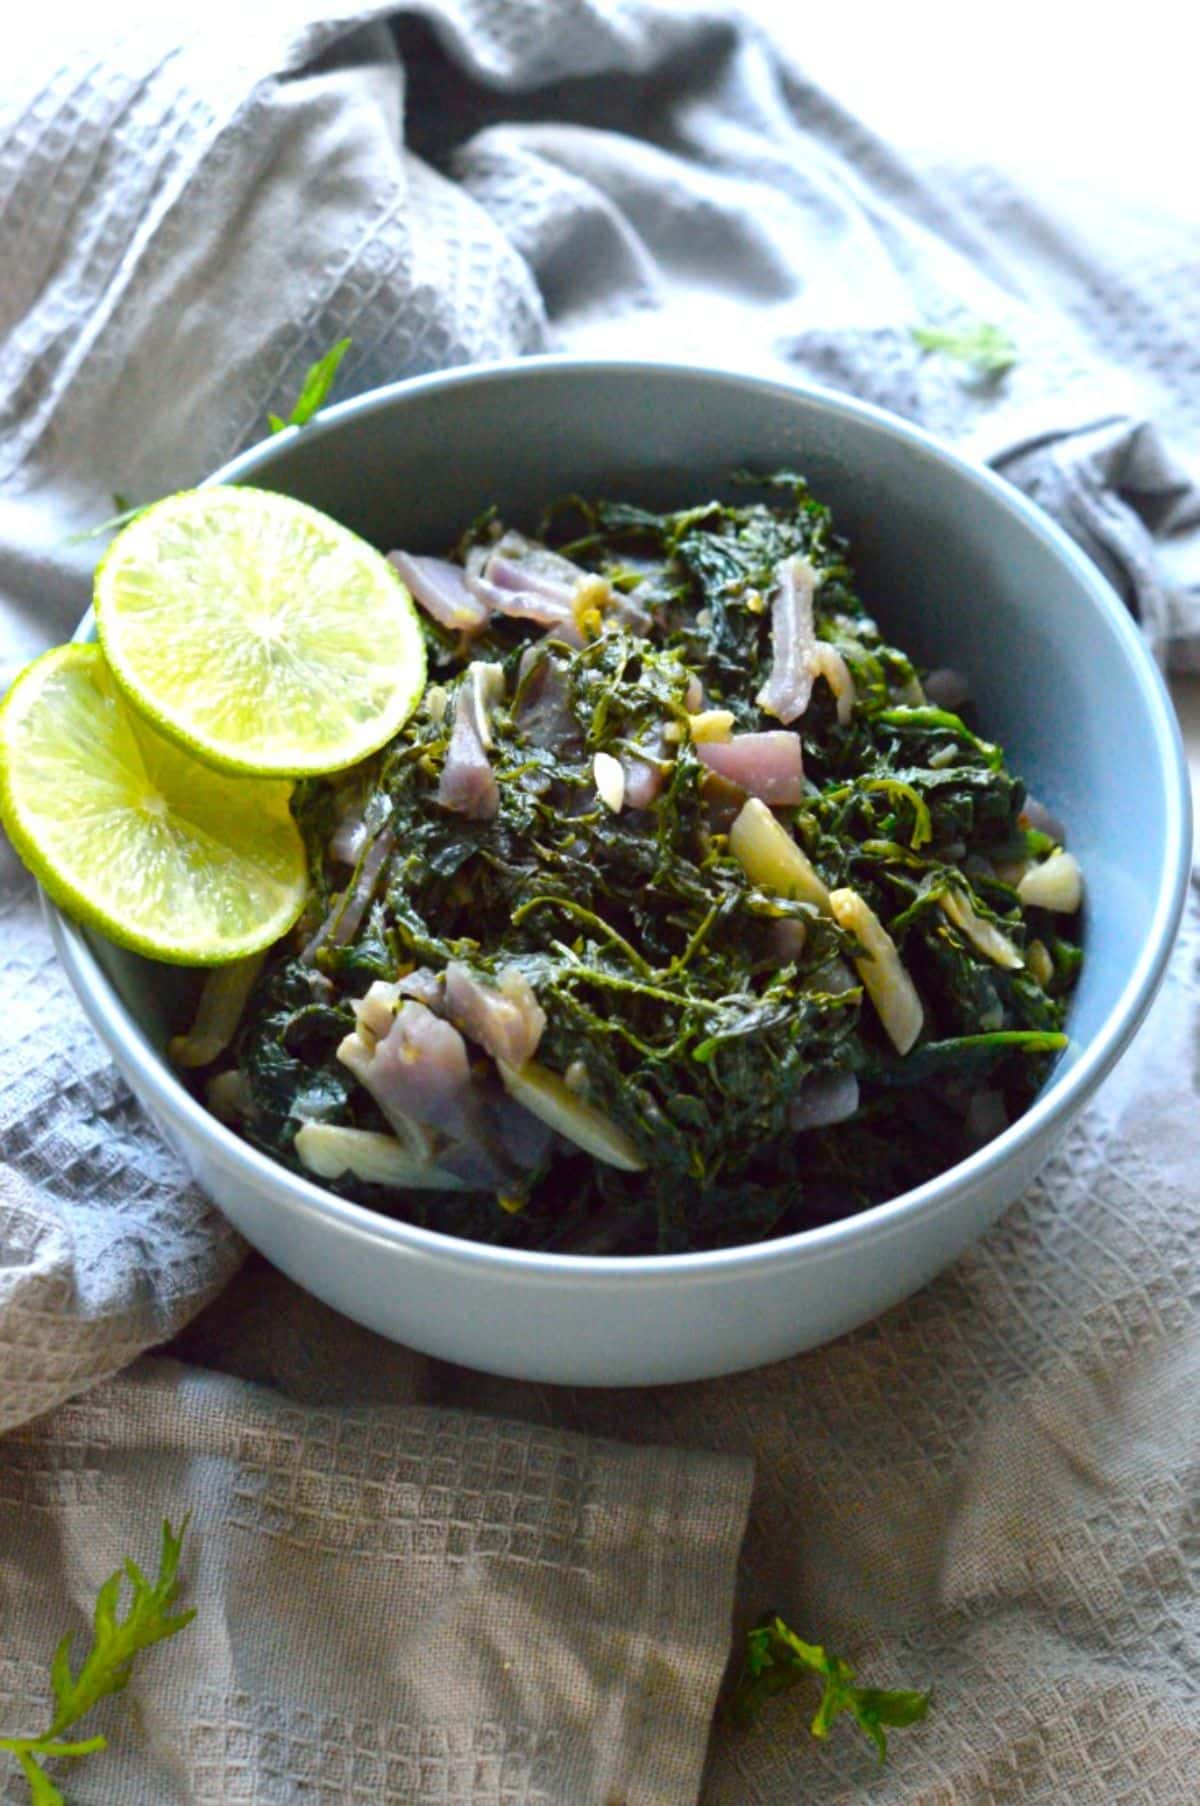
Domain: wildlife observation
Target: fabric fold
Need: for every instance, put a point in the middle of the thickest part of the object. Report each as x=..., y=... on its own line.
x=405, y=1604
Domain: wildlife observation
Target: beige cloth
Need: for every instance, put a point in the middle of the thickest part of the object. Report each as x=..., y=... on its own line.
x=993, y=1490
x=402, y=1606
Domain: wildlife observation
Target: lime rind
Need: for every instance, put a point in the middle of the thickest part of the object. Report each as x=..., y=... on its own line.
x=262, y=635
x=132, y=836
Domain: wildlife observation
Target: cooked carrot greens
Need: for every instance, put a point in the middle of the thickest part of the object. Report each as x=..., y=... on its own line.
x=684, y=912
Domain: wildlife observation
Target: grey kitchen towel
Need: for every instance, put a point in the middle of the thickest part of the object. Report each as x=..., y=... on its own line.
x=189, y=214
x=402, y=1604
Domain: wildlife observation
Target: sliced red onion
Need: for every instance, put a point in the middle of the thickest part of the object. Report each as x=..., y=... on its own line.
x=835, y=978
x=630, y=613
x=987, y=1117
x=769, y=766
x=531, y=555
x=505, y=1019
x=1044, y=820
x=426, y=987
x=785, y=940
x=349, y=839
x=417, y=1067
x=524, y=579
x=468, y=783
x=567, y=633
x=793, y=641
x=344, y=919
x=644, y=777
x=823, y=1101
x=414, y=1064
x=442, y=590
x=946, y=688
x=543, y=712
x=521, y=604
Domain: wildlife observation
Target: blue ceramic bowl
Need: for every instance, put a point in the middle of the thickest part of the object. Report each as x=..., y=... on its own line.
x=960, y=569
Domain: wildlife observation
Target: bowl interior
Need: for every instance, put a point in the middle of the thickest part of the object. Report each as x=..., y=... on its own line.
x=957, y=570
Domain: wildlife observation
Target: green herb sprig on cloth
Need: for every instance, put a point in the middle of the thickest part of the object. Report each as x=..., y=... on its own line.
x=106, y=1669
x=988, y=349
x=777, y=1659
x=318, y=380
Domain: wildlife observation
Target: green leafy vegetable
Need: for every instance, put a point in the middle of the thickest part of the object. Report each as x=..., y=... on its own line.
x=777, y=1659
x=696, y=1008
x=125, y=513
x=988, y=349
x=318, y=380
x=107, y=1666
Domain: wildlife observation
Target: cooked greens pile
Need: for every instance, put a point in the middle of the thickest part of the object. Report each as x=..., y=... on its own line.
x=555, y=863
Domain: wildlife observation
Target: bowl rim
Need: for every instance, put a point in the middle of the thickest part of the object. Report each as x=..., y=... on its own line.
x=1065, y=1091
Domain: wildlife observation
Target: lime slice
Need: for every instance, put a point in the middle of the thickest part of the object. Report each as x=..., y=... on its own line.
x=258, y=632
x=133, y=836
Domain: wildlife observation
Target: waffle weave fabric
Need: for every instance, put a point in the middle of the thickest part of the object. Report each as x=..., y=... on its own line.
x=993, y=1489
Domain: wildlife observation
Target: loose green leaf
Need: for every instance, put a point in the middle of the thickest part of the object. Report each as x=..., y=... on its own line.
x=111, y=525
x=42, y=1790
x=108, y=1664
x=777, y=1659
x=989, y=350
x=318, y=381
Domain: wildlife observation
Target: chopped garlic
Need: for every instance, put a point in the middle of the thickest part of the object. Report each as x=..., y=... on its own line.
x=228, y=1096
x=826, y=661
x=756, y=602
x=1056, y=883
x=610, y=780
x=577, y=1078
x=769, y=856
x=548, y=1096
x=218, y=1013
x=589, y=599
x=712, y=724
x=436, y=699
x=881, y=969
x=985, y=935
x=1041, y=966
x=328, y=1150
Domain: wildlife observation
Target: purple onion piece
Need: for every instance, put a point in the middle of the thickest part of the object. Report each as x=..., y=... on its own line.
x=523, y=579
x=345, y=918
x=468, y=783
x=769, y=766
x=987, y=1117
x=793, y=641
x=1044, y=820
x=821, y=1102
x=442, y=590
x=946, y=688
